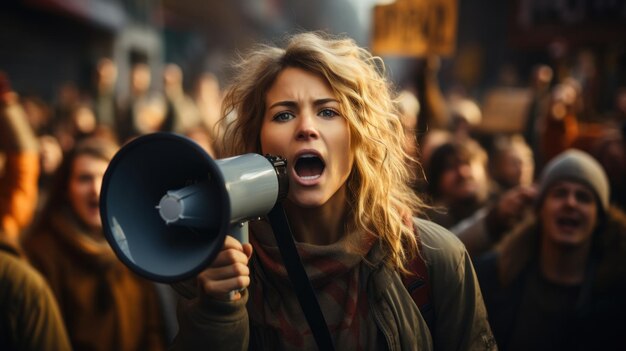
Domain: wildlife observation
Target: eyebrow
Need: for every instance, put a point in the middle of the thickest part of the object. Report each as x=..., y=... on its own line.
x=569, y=188
x=293, y=104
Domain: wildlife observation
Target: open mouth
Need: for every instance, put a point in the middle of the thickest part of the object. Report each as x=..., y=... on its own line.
x=309, y=166
x=567, y=223
x=93, y=205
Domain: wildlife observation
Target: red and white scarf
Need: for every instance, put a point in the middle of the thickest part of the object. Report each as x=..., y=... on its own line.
x=335, y=273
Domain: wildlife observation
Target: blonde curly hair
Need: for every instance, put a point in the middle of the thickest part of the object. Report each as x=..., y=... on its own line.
x=379, y=193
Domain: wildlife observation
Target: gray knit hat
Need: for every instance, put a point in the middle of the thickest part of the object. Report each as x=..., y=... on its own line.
x=577, y=166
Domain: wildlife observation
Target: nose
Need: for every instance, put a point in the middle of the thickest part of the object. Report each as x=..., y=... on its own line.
x=464, y=170
x=571, y=200
x=307, y=127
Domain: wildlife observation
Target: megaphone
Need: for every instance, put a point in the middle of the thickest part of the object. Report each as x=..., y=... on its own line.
x=166, y=205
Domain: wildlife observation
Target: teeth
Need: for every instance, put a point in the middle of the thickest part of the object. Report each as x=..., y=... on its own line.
x=307, y=170
x=567, y=222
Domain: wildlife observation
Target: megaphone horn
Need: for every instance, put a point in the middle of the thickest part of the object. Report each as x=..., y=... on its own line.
x=166, y=205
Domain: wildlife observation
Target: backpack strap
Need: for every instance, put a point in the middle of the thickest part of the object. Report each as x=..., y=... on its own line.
x=418, y=285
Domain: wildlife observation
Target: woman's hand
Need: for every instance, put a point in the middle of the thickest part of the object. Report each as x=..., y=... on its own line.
x=229, y=272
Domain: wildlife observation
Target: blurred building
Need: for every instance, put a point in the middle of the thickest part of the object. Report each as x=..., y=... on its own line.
x=46, y=43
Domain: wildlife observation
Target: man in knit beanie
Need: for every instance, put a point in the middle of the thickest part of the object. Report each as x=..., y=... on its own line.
x=576, y=166
x=558, y=281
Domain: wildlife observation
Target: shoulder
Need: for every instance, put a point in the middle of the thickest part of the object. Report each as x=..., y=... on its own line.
x=461, y=319
x=38, y=237
x=616, y=222
x=614, y=236
x=39, y=243
x=612, y=250
x=21, y=279
x=438, y=244
x=42, y=250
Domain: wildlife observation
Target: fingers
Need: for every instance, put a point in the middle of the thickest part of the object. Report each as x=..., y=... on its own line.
x=220, y=289
x=232, y=243
x=523, y=193
x=228, y=272
x=232, y=252
x=528, y=193
x=512, y=202
x=247, y=249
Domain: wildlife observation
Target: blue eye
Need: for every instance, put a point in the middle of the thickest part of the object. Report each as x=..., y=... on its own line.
x=283, y=116
x=328, y=113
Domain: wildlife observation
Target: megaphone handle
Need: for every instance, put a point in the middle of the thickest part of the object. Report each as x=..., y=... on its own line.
x=240, y=232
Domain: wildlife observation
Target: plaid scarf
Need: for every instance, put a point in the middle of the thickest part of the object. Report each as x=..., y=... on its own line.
x=336, y=274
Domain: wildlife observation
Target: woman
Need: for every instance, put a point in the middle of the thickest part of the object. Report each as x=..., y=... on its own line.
x=325, y=106
x=103, y=304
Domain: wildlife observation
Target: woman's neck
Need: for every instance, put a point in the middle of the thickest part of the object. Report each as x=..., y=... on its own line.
x=564, y=266
x=322, y=225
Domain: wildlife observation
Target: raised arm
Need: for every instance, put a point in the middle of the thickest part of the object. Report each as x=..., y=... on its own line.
x=18, y=185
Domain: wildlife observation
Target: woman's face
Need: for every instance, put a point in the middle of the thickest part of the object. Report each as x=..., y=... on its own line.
x=84, y=188
x=302, y=123
x=569, y=214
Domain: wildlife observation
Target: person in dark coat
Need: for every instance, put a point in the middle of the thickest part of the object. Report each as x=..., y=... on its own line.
x=558, y=281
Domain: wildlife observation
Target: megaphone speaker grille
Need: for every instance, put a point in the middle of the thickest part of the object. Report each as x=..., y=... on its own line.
x=137, y=178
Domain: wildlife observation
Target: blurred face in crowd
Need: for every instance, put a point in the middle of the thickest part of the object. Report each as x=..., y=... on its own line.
x=514, y=167
x=431, y=141
x=84, y=120
x=463, y=179
x=569, y=214
x=84, y=188
x=172, y=76
x=51, y=154
x=107, y=73
x=303, y=123
x=140, y=78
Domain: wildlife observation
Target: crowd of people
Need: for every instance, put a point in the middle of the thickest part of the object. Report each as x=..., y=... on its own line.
x=522, y=235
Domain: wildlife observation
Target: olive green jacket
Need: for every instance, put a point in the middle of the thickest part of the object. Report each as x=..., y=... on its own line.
x=29, y=315
x=460, y=318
